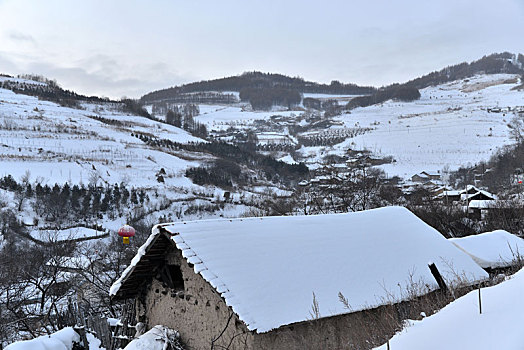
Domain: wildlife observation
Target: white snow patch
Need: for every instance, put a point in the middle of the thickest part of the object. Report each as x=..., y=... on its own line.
x=61, y=340
x=154, y=339
x=492, y=249
x=288, y=159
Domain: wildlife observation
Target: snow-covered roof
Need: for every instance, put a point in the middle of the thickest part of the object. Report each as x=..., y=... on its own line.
x=472, y=190
x=481, y=204
x=267, y=269
x=492, y=249
x=465, y=196
x=450, y=193
x=430, y=173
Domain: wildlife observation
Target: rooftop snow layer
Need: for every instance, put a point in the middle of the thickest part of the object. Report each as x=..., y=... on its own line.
x=492, y=249
x=267, y=269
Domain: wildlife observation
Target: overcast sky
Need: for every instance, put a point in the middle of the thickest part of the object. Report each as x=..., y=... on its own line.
x=115, y=48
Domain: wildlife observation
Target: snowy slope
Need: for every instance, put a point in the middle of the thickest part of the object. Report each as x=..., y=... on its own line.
x=217, y=117
x=268, y=268
x=492, y=249
x=460, y=325
x=58, y=144
x=449, y=126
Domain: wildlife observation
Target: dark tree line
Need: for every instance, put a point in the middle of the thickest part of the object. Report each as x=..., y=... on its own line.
x=265, y=98
x=135, y=107
x=50, y=92
x=242, y=153
x=312, y=103
x=258, y=80
x=395, y=92
x=222, y=173
x=64, y=203
x=204, y=97
x=492, y=64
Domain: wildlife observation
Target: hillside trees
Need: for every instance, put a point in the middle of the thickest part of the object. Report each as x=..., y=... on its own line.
x=221, y=173
x=516, y=126
x=242, y=154
x=254, y=80
x=62, y=204
x=183, y=117
x=49, y=91
x=359, y=188
x=491, y=64
x=34, y=285
x=265, y=98
x=173, y=118
x=398, y=92
x=39, y=279
x=312, y=103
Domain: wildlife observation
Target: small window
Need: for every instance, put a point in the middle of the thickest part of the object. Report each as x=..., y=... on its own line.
x=172, y=277
x=176, y=277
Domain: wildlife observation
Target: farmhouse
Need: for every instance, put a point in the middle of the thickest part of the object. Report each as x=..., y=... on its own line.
x=470, y=193
x=425, y=176
x=301, y=282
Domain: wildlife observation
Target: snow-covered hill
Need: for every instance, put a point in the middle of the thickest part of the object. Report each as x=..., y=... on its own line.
x=449, y=126
x=58, y=144
x=45, y=143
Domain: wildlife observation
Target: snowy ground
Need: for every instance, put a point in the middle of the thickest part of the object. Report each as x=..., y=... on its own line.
x=449, y=126
x=58, y=144
x=61, y=340
x=461, y=326
x=218, y=117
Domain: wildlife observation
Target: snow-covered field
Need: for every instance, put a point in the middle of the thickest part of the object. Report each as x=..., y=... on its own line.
x=449, y=126
x=217, y=117
x=461, y=326
x=57, y=144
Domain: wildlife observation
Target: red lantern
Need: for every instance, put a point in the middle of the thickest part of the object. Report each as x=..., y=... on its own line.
x=126, y=231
